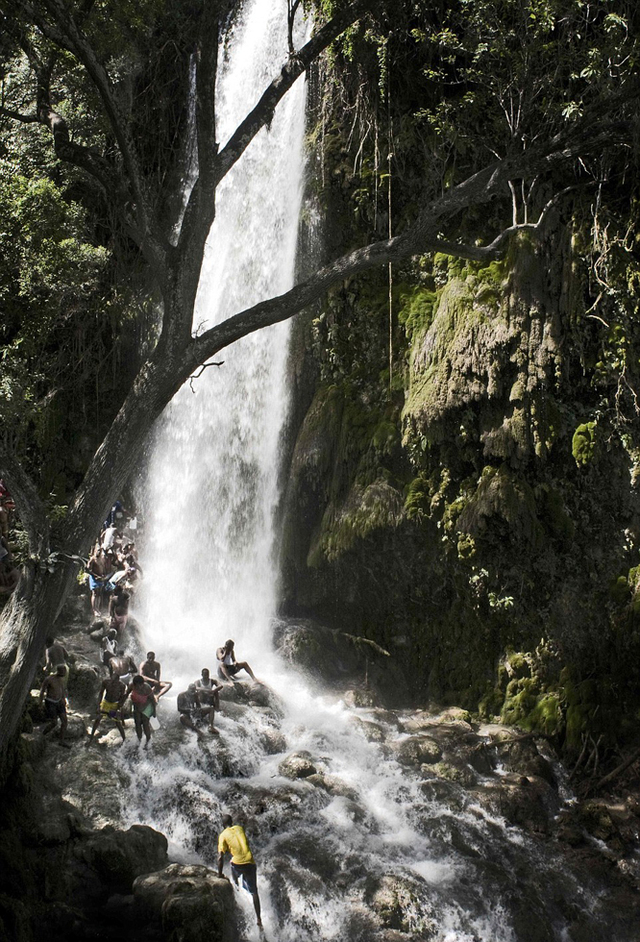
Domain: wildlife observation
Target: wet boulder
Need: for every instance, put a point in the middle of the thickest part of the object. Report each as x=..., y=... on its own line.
x=396, y=904
x=417, y=750
x=527, y=802
x=273, y=742
x=297, y=765
x=333, y=785
x=373, y=732
x=191, y=903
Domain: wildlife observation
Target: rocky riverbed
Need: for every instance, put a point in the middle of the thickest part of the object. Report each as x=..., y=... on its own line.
x=368, y=822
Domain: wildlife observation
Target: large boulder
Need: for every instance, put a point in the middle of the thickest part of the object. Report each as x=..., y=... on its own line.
x=417, y=750
x=190, y=902
x=118, y=857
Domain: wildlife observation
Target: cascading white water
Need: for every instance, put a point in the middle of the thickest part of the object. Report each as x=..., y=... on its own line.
x=371, y=835
x=209, y=561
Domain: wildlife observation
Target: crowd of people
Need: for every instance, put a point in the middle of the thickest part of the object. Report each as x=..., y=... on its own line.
x=130, y=689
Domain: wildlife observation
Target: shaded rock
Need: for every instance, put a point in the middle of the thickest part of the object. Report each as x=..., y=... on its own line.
x=417, y=750
x=76, y=729
x=443, y=791
x=118, y=857
x=191, y=902
x=529, y=803
x=333, y=785
x=297, y=765
x=520, y=754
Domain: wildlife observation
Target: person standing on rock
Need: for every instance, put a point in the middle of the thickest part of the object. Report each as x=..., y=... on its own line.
x=228, y=667
x=111, y=699
x=144, y=707
x=233, y=840
x=54, y=695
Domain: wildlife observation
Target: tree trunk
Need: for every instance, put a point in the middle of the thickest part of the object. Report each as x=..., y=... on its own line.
x=26, y=621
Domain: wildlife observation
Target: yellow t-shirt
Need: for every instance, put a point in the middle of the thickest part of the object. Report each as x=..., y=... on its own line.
x=234, y=840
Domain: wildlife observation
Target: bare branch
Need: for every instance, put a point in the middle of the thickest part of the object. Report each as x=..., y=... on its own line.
x=201, y=371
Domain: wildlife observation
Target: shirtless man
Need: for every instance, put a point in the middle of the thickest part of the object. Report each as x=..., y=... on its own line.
x=54, y=696
x=55, y=654
x=228, y=667
x=109, y=646
x=119, y=608
x=151, y=671
x=99, y=568
x=189, y=709
x=123, y=666
x=208, y=694
x=111, y=699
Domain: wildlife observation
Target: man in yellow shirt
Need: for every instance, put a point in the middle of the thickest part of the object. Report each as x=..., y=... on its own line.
x=233, y=840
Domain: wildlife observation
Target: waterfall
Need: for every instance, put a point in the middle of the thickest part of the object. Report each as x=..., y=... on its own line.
x=209, y=553
x=365, y=834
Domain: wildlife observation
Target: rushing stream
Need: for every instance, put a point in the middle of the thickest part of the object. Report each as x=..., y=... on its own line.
x=367, y=847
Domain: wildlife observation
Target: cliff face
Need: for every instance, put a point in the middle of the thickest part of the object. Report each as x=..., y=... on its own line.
x=473, y=506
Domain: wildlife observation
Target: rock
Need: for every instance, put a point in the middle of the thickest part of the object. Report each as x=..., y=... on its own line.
x=529, y=803
x=372, y=731
x=76, y=730
x=417, y=750
x=273, y=742
x=118, y=857
x=452, y=771
x=394, y=901
x=333, y=785
x=191, y=902
x=521, y=755
x=360, y=698
x=297, y=765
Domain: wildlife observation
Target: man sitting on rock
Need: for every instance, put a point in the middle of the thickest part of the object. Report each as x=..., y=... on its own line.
x=208, y=694
x=53, y=693
x=234, y=841
x=151, y=671
x=191, y=713
x=111, y=699
x=228, y=667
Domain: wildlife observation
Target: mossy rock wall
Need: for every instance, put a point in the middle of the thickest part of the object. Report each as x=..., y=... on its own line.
x=446, y=513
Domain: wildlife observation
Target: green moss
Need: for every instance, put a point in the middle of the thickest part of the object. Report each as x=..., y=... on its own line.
x=417, y=305
x=546, y=715
x=583, y=443
x=418, y=497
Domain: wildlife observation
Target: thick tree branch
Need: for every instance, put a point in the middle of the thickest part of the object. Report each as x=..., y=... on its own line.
x=16, y=116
